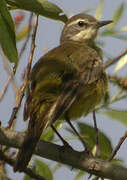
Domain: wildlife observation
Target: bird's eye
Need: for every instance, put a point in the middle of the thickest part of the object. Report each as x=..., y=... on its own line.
x=81, y=23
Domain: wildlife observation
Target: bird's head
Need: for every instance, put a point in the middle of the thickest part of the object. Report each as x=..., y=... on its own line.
x=81, y=28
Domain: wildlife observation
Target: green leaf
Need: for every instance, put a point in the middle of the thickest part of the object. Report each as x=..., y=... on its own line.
x=121, y=63
x=89, y=133
x=56, y=167
x=22, y=34
x=7, y=34
x=108, y=32
x=48, y=135
x=85, y=11
x=79, y=175
x=117, y=115
x=41, y=7
x=116, y=16
x=12, y=8
x=43, y=170
x=98, y=13
x=114, y=34
x=26, y=177
x=120, y=36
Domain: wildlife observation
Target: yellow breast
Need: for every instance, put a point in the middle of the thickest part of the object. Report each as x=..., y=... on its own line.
x=92, y=96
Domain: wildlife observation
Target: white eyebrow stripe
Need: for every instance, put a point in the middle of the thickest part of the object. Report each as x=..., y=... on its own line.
x=75, y=22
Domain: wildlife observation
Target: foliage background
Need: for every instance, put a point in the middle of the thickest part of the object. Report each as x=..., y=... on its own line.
x=47, y=38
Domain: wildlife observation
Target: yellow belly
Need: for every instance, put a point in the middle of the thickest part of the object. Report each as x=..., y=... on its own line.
x=46, y=93
x=93, y=94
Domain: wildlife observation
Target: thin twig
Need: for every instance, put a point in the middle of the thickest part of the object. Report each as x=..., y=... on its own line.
x=26, y=40
x=32, y=47
x=26, y=81
x=89, y=176
x=27, y=36
x=61, y=138
x=121, y=82
x=118, y=99
x=2, y=93
x=122, y=139
x=28, y=171
x=112, y=101
x=97, y=135
x=10, y=72
x=76, y=132
x=114, y=60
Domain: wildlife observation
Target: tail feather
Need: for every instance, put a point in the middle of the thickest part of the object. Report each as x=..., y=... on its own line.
x=35, y=129
x=50, y=114
x=25, y=153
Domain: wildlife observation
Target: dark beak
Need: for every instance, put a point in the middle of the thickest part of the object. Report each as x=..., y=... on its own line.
x=103, y=23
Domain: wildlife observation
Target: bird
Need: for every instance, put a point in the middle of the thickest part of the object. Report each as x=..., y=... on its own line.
x=68, y=81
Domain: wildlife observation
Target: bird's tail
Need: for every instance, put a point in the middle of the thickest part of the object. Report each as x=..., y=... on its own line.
x=49, y=114
x=25, y=153
x=35, y=129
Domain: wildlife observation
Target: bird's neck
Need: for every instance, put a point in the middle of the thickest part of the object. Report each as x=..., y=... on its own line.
x=94, y=46
x=90, y=43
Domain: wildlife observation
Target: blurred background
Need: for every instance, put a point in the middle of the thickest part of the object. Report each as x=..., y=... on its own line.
x=111, y=123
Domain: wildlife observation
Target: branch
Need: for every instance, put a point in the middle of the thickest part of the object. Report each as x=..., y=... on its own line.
x=28, y=171
x=27, y=36
x=79, y=160
x=20, y=96
x=119, y=81
x=122, y=139
x=116, y=59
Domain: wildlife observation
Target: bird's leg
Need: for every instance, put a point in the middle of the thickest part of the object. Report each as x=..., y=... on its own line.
x=76, y=132
x=61, y=138
x=97, y=135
